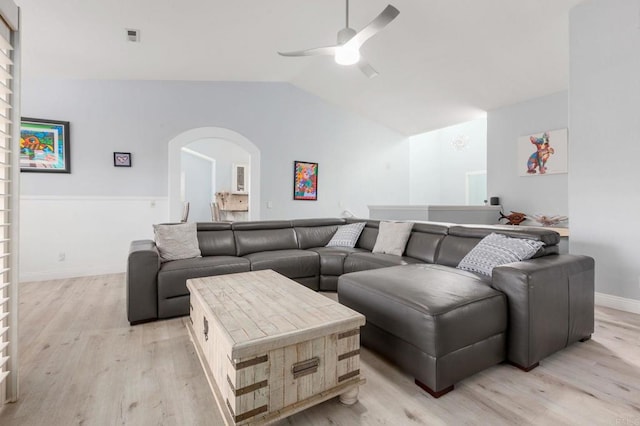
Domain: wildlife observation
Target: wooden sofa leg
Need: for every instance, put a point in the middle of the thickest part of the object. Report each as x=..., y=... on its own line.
x=525, y=369
x=584, y=339
x=431, y=392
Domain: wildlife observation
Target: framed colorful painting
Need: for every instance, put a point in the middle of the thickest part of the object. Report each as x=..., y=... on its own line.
x=44, y=146
x=305, y=180
x=543, y=153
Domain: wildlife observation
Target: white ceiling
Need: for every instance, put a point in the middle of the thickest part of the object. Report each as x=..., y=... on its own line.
x=441, y=62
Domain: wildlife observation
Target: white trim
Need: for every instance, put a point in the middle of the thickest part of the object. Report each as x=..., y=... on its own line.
x=91, y=198
x=434, y=207
x=617, y=302
x=415, y=207
x=11, y=14
x=116, y=268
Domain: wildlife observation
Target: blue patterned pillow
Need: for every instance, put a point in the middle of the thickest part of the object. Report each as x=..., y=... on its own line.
x=347, y=235
x=497, y=249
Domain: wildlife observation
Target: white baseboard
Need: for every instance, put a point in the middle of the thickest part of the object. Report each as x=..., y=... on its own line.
x=617, y=302
x=60, y=274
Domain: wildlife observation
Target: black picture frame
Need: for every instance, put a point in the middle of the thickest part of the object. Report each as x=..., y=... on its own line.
x=305, y=180
x=122, y=159
x=45, y=146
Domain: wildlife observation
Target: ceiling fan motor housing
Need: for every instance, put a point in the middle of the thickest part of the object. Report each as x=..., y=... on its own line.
x=345, y=34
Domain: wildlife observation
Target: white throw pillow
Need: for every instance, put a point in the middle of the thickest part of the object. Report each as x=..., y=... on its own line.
x=177, y=241
x=392, y=237
x=347, y=235
x=497, y=249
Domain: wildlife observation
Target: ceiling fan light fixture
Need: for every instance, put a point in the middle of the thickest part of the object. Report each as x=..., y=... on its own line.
x=347, y=56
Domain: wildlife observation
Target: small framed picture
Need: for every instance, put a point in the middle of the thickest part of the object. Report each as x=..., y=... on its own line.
x=122, y=159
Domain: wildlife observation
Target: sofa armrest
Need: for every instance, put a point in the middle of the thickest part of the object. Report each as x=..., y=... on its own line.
x=551, y=305
x=143, y=264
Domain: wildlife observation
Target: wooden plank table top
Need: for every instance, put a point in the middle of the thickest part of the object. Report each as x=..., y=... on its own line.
x=263, y=310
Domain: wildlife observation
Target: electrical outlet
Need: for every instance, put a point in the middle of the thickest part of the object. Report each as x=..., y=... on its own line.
x=62, y=256
x=269, y=204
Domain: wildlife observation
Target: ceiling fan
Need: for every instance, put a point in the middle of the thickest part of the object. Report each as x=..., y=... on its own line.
x=347, y=51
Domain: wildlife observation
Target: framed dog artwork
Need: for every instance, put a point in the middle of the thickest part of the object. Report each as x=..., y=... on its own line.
x=543, y=153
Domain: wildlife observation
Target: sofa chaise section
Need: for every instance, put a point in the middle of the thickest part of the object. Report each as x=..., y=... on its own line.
x=440, y=324
x=549, y=305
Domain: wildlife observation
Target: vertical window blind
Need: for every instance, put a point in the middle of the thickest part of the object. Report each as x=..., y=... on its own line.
x=9, y=192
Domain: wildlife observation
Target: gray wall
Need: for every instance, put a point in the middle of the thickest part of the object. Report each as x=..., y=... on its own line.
x=546, y=194
x=361, y=162
x=438, y=170
x=605, y=141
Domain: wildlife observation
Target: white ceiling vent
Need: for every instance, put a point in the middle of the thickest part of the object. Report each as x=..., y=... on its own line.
x=133, y=35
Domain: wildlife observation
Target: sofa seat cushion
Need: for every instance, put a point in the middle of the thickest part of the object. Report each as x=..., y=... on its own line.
x=332, y=258
x=436, y=308
x=173, y=276
x=290, y=263
x=365, y=260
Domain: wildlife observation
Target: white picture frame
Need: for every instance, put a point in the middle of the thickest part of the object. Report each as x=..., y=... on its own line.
x=240, y=179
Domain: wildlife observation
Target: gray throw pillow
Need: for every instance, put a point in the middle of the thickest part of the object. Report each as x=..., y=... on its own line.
x=497, y=249
x=392, y=237
x=347, y=235
x=177, y=241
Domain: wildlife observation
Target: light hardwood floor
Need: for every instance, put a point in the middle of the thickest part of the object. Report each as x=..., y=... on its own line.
x=82, y=364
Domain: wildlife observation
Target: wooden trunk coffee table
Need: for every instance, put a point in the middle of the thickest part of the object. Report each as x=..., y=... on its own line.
x=271, y=347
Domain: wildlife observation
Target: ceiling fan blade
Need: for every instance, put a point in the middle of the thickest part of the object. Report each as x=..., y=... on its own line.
x=367, y=69
x=381, y=21
x=329, y=50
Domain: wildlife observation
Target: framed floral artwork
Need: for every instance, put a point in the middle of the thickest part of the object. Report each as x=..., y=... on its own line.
x=305, y=180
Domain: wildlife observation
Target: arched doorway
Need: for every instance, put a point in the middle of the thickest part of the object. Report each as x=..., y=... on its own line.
x=184, y=139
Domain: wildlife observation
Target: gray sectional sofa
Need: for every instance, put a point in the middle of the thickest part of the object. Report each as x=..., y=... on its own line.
x=438, y=323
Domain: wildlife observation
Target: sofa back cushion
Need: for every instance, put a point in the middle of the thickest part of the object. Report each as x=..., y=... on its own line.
x=315, y=232
x=425, y=240
x=369, y=234
x=252, y=237
x=216, y=239
x=453, y=249
x=317, y=236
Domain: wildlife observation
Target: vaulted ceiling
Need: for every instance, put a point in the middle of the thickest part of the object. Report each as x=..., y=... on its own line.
x=441, y=62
